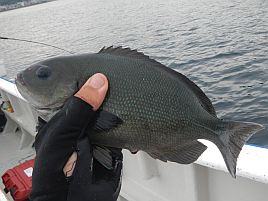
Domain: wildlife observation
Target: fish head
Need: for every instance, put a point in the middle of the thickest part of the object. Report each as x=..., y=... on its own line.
x=48, y=84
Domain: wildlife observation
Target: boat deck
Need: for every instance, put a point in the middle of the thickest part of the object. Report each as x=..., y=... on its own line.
x=10, y=153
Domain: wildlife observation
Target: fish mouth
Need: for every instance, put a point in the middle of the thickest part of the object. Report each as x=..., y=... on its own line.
x=19, y=79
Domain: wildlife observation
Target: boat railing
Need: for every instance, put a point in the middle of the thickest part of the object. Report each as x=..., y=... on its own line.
x=145, y=178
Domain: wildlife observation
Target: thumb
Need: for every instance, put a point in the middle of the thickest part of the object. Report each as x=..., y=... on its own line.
x=94, y=90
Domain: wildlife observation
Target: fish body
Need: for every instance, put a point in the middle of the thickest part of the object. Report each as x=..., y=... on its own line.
x=160, y=110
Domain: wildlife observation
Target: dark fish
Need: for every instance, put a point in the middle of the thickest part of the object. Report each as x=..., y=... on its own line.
x=149, y=107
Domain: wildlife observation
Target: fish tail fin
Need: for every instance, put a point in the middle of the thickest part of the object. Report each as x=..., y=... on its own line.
x=231, y=138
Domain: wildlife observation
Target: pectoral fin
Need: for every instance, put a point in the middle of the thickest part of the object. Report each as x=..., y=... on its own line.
x=106, y=121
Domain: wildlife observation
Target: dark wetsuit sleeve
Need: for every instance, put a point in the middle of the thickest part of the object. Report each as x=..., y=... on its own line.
x=59, y=138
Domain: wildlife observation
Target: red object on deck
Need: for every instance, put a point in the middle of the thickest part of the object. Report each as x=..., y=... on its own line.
x=18, y=180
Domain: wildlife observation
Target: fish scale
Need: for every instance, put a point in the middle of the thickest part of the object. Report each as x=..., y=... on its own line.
x=148, y=107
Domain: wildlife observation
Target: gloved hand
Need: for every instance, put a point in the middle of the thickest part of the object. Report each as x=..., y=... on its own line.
x=64, y=167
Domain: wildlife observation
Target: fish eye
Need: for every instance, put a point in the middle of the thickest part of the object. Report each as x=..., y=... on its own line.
x=43, y=72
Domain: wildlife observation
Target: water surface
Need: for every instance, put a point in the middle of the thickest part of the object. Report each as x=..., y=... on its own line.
x=221, y=45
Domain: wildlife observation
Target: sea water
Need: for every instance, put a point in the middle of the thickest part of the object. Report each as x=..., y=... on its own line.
x=221, y=45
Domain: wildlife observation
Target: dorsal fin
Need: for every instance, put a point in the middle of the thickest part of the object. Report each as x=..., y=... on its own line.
x=203, y=99
x=127, y=52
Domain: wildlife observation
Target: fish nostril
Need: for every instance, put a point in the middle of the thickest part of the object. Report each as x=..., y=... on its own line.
x=28, y=69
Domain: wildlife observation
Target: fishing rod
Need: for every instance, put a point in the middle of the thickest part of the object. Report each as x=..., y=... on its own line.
x=29, y=41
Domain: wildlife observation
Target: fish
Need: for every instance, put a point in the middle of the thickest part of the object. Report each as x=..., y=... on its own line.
x=148, y=107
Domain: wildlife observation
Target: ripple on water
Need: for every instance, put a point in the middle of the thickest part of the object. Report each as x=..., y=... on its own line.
x=220, y=45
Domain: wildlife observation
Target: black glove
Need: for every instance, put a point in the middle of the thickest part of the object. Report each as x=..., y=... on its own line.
x=92, y=181
x=3, y=120
x=55, y=143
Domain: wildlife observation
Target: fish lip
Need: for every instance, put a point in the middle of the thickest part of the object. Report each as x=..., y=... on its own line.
x=19, y=79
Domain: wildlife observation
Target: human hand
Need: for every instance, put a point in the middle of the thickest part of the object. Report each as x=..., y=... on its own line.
x=92, y=92
x=60, y=140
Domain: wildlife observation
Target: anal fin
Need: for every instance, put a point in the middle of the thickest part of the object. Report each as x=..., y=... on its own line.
x=184, y=154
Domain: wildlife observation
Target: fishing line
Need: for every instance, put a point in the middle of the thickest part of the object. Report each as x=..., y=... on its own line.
x=29, y=41
x=40, y=43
